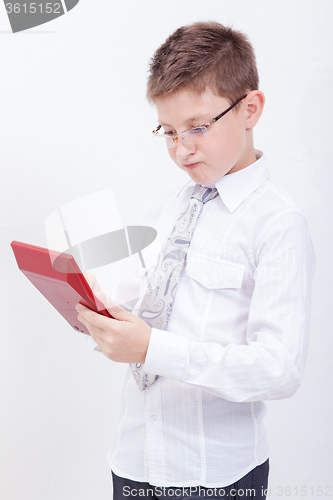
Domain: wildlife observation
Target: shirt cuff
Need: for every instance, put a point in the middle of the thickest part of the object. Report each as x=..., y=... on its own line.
x=167, y=354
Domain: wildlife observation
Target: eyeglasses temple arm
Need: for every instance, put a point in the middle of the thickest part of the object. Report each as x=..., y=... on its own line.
x=227, y=110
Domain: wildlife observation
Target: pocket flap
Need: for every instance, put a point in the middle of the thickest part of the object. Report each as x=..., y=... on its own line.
x=215, y=273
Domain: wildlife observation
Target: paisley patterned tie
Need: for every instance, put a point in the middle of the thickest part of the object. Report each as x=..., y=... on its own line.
x=157, y=302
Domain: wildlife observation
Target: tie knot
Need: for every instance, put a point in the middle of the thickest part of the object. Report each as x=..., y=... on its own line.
x=204, y=194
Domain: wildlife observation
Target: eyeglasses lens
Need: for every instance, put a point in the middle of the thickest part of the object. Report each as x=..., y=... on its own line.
x=195, y=135
x=192, y=136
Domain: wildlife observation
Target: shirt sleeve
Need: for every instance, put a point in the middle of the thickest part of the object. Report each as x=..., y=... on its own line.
x=271, y=363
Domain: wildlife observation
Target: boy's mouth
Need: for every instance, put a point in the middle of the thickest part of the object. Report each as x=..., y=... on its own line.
x=191, y=165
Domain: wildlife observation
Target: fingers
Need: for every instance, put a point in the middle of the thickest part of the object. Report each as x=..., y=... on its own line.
x=123, y=339
x=96, y=325
x=96, y=333
x=97, y=336
x=93, y=320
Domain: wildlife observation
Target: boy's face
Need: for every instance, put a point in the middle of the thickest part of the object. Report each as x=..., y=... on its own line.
x=229, y=145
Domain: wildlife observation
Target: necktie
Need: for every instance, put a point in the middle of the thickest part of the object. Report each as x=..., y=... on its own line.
x=157, y=302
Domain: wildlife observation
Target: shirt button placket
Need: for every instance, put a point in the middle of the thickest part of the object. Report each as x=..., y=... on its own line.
x=154, y=433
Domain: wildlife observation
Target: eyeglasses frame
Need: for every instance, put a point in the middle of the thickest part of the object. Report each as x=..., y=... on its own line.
x=175, y=138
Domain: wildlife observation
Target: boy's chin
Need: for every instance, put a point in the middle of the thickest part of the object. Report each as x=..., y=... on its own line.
x=203, y=180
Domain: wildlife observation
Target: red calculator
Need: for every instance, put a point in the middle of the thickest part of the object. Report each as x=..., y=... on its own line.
x=58, y=277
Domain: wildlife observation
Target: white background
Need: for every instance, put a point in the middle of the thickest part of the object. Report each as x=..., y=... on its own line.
x=73, y=121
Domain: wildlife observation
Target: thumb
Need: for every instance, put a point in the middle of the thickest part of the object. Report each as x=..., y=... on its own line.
x=118, y=313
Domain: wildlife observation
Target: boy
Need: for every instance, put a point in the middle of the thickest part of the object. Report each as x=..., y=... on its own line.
x=224, y=322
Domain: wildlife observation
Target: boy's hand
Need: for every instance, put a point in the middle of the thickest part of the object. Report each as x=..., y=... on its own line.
x=124, y=339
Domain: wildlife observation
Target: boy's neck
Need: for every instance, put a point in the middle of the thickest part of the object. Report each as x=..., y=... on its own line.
x=249, y=156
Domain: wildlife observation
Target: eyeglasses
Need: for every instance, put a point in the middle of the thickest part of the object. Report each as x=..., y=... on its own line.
x=195, y=135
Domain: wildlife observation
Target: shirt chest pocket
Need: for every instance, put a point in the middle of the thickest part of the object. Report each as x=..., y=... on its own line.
x=215, y=273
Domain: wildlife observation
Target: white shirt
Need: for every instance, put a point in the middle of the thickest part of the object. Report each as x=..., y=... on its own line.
x=238, y=335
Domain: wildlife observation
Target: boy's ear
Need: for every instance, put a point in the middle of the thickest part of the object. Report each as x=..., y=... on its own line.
x=254, y=104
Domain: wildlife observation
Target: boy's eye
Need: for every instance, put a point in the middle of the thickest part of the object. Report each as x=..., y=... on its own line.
x=169, y=133
x=196, y=131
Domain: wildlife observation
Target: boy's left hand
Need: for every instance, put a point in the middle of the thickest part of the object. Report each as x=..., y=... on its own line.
x=124, y=339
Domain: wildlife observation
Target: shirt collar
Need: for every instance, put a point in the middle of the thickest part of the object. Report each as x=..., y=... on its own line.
x=236, y=187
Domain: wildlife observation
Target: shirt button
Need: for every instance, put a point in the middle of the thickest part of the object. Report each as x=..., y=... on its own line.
x=152, y=416
x=209, y=282
x=294, y=319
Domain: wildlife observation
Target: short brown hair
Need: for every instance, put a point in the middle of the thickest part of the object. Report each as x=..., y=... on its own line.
x=201, y=55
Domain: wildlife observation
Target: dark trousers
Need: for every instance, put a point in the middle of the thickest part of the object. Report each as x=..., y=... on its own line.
x=252, y=486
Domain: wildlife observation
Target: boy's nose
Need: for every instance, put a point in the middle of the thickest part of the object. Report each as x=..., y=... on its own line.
x=184, y=149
